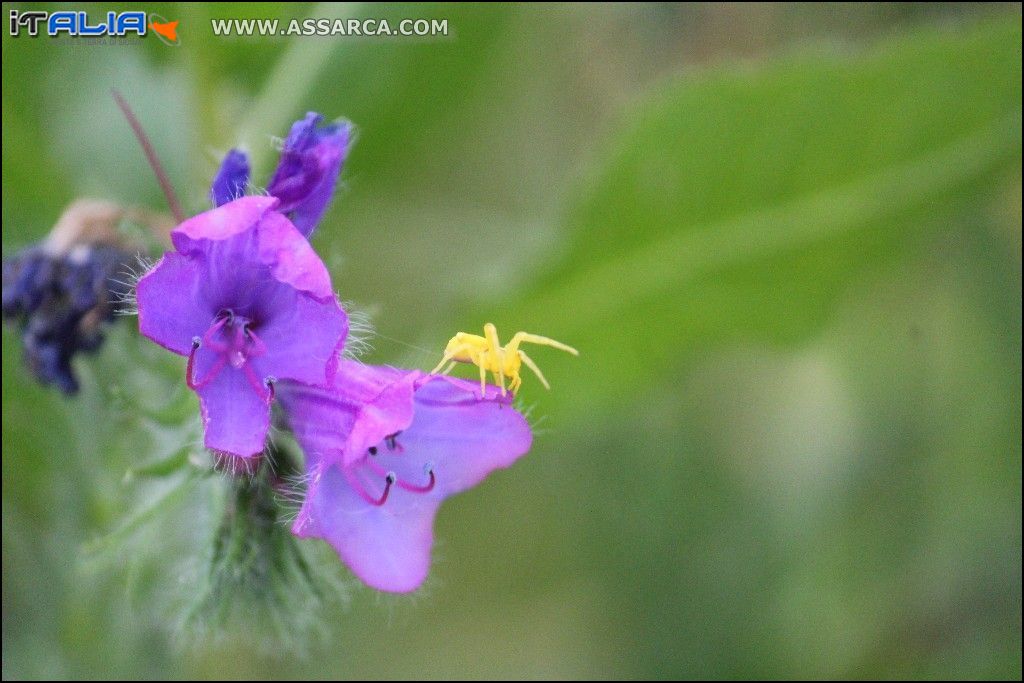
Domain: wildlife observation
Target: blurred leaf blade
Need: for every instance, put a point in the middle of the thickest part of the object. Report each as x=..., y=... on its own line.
x=846, y=506
x=945, y=117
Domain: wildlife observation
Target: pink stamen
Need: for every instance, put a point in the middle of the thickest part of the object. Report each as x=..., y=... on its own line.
x=389, y=479
x=242, y=345
x=391, y=442
x=411, y=488
x=259, y=348
x=255, y=383
x=190, y=370
x=190, y=366
x=208, y=339
x=237, y=354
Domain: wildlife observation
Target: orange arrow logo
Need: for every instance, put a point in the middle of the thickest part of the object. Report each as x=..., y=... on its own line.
x=168, y=30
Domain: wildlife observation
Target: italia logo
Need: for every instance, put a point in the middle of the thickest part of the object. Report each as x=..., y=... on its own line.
x=117, y=24
x=166, y=31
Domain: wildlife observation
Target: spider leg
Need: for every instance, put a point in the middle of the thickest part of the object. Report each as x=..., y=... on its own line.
x=447, y=357
x=533, y=366
x=446, y=371
x=457, y=383
x=491, y=332
x=449, y=354
x=514, y=385
x=512, y=349
x=483, y=379
x=543, y=341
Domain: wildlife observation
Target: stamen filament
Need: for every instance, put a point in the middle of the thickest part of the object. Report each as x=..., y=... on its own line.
x=411, y=488
x=208, y=336
x=259, y=348
x=190, y=380
x=353, y=481
x=392, y=444
x=259, y=387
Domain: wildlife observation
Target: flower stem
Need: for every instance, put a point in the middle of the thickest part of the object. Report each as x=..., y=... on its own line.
x=151, y=156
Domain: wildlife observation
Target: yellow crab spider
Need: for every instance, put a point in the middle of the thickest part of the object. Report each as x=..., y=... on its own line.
x=489, y=355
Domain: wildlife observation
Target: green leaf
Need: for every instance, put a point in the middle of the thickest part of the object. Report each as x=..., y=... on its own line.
x=171, y=498
x=162, y=467
x=738, y=205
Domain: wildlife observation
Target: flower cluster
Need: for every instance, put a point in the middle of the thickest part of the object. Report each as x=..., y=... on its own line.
x=245, y=298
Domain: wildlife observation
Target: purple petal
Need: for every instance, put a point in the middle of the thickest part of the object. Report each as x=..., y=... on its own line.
x=303, y=338
x=235, y=239
x=448, y=439
x=236, y=417
x=386, y=546
x=232, y=178
x=168, y=297
x=462, y=437
x=293, y=261
x=309, y=168
x=363, y=405
x=197, y=234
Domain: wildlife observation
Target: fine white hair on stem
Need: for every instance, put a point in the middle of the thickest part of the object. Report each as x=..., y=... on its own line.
x=360, y=332
x=268, y=452
x=126, y=302
x=291, y=495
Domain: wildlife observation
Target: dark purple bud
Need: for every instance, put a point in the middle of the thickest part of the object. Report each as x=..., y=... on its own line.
x=232, y=178
x=307, y=174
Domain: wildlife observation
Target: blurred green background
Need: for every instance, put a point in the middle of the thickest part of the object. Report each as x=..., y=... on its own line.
x=785, y=238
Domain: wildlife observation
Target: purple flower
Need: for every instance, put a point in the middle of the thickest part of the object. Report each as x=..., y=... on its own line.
x=61, y=303
x=62, y=292
x=248, y=301
x=306, y=175
x=384, y=447
x=308, y=171
x=232, y=178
